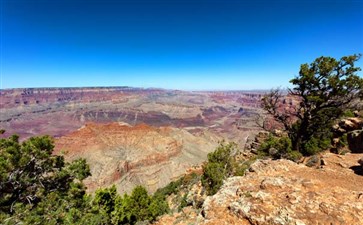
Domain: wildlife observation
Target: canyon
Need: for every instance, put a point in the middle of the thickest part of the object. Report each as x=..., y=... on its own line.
x=131, y=136
x=58, y=111
x=150, y=137
x=127, y=155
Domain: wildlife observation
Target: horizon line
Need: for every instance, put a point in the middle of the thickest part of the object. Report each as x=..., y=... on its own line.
x=144, y=88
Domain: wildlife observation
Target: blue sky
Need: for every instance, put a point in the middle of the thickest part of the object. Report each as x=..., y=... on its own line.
x=190, y=44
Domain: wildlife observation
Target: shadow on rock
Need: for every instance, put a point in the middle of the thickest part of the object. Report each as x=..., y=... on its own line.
x=357, y=170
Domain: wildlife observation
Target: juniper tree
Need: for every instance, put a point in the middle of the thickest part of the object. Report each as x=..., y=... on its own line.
x=323, y=89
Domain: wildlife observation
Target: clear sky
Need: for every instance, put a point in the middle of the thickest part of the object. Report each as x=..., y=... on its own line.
x=190, y=44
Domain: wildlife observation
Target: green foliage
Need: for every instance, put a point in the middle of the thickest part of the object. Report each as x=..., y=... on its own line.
x=279, y=147
x=29, y=173
x=325, y=88
x=315, y=145
x=239, y=168
x=172, y=188
x=104, y=200
x=121, y=214
x=183, y=202
x=348, y=113
x=218, y=167
x=343, y=142
x=158, y=206
x=138, y=206
x=213, y=176
x=57, y=209
x=177, y=188
x=276, y=147
x=37, y=187
x=294, y=156
x=140, y=202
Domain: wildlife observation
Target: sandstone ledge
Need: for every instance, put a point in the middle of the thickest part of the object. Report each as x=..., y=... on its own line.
x=282, y=192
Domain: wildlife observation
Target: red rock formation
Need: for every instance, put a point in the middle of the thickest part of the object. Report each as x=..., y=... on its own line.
x=131, y=155
x=58, y=111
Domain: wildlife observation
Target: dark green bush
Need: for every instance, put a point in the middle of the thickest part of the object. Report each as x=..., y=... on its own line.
x=183, y=202
x=138, y=206
x=218, y=167
x=175, y=186
x=316, y=145
x=279, y=147
x=348, y=113
x=213, y=176
x=37, y=187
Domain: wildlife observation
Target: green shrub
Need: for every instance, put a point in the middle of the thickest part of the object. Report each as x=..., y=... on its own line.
x=218, y=167
x=157, y=207
x=316, y=145
x=183, y=202
x=279, y=147
x=212, y=178
x=348, y=113
x=294, y=156
x=105, y=199
x=172, y=188
x=312, y=146
x=138, y=206
x=240, y=168
x=177, y=187
x=38, y=187
x=276, y=147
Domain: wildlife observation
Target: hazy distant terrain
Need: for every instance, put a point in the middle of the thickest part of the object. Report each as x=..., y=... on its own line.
x=131, y=136
x=57, y=111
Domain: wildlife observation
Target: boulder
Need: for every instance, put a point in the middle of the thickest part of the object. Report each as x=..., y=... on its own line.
x=352, y=127
x=313, y=161
x=355, y=141
x=350, y=124
x=272, y=151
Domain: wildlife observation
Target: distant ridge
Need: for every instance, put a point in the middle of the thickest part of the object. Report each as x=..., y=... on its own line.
x=132, y=88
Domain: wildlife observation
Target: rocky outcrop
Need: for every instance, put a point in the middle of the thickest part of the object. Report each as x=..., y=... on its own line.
x=253, y=143
x=355, y=141
x=127, y=155
x=283, y=192
x=353, y=129
x=348, y=124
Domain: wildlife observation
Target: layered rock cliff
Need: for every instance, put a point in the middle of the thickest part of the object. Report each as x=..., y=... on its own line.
x=127, y=155
x=58, y=111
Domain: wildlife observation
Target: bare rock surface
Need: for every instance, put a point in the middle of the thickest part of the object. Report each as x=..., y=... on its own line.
x=283, y=192
x=127, y=155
